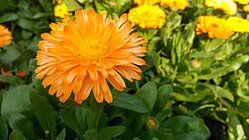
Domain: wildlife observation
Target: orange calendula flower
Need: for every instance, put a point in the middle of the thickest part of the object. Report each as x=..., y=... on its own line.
x=60, y=10
x=215, y=27
x=21, y=74
x=238, y=24
x=228, y=6
x=5, y=36
x=6, y=73
x=242, y=1
x=149, y=2
x=179, y=4
x=246, y=8
x=82, y=55
x=147, y=16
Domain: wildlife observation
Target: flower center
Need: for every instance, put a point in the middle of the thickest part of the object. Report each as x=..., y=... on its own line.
x=92, y=51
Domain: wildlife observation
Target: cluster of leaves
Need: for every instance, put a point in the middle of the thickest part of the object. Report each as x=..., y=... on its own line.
x=193, y=88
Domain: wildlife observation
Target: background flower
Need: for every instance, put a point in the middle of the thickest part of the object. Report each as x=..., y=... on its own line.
x=228, y=6
x=179, y=4
x=246, y=8
x=5, y=36
x=60, y=10
x=147, y=16
x=214, y=26
x=238, y=24
x=149, y=2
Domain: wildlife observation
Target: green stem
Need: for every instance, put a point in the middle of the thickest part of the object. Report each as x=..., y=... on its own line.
x=94, y=114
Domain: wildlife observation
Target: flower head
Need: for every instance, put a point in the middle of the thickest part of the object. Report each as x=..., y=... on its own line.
x=149, y=2
x=147, y=16
x=179, y=4
x=246, y=8
x=5, y=36
x=242, y=1
x=21, y=73
x=60, y=10
x=214, y=26
x=228, y=6
x=82, y=55
x=238, y=24
x=8, y=73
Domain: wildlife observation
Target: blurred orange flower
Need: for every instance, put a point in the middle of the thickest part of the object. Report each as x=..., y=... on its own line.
x=21, y=74
x=215, y=27
x=147, y=16
x=82, y=55
x=6, y=73
x=179, y=4
x=5, y=36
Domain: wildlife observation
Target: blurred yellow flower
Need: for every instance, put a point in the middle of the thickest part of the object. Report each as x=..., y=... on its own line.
x=5, y=36
x=60, y=10
x=228, y=6
x=246, y=8
x=238, y=24
x=88, y=54
x=104, y=12
x=179, y=4
x=147, y=16
x=149, y=2
x=152, y=123
x=242, y=1
x=215, y=27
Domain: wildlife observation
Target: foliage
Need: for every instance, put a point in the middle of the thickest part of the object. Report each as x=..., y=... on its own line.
x=194, y=87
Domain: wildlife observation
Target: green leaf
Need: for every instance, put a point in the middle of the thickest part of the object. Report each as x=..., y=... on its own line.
x=81, y=115
x=163, y=94
x=91, y=134
x=109, y=133
x=235, y=128
x=8, y=17
x=243, y=106
x=44, y=112
x=21, y=123
x=130, y=102
x=231, y=65
x=188, y=97
x=161, y=116
x=11, y=54
x=220, y=92
x=62, y=135
x=47, y=5
x=11, y=80
x=156, y=59
x=4, y=131
x=72, y=122
x=16, y=100
x=184, y=128
x=16, y=135
x=72, y=5
x=26, y=23
x=174, y=20
x=6, y=4
x=148, y=93
x=214, y=44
